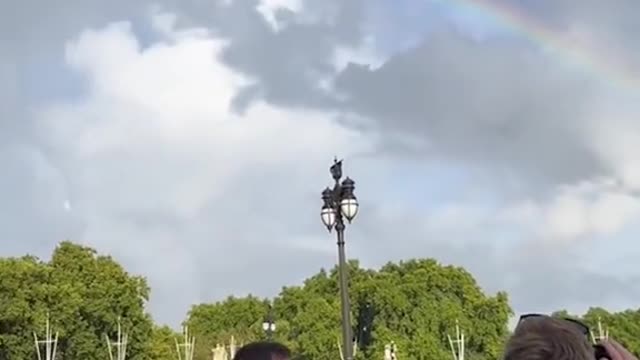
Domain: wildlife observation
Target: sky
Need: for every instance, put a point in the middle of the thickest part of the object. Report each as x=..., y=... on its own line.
x=191, y=140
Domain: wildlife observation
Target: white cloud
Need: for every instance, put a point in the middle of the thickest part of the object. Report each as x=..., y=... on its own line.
x=268, y=9
x=616, y=139
x=586, y=209
x=156, y=158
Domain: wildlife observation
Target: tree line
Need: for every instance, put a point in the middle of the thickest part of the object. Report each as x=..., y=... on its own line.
x=414, y=303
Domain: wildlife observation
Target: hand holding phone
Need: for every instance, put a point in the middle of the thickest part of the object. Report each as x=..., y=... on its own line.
x=612, y=350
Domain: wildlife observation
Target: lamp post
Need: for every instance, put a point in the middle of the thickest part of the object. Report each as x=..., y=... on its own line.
x=339, y=204
x=268, y=325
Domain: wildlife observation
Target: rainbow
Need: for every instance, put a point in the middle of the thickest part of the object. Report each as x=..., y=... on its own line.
x=601, y=64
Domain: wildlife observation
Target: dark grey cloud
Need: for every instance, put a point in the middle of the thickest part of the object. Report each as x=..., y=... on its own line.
x=506, y=104
x=493, y=103
x=488, y=104
x=293, y=60
x=565, y=12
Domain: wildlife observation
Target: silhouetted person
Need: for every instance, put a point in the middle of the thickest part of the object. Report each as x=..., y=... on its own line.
x=547, y=338
x=539, y=337
x=263, y=351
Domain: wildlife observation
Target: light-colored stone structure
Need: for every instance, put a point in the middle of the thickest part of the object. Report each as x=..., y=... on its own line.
x=390, y=351
x=220, y=353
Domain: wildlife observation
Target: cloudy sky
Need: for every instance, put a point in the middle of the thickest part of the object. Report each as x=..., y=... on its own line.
x=191, y=140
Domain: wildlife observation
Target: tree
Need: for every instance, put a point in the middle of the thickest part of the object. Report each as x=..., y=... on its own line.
x=414, y=303
x=23, y=289
x=85, y=295
x=418, y=303
x=161, y=345
x=216, y=323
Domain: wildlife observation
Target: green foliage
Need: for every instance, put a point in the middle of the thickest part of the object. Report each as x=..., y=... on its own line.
x=415, y=304
x=85, y=295
x=216, y=323
x=162, y=344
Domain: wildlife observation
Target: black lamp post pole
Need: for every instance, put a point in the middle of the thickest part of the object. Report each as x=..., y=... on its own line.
x=347, y=339
x=339, y=204
x=269, y=325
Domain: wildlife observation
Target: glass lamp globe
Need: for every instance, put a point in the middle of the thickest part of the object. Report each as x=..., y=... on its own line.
x=349, y=208
x=328, y=216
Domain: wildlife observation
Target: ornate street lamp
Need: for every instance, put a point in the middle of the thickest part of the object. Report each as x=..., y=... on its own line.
x=268, y=325
x=340, y=203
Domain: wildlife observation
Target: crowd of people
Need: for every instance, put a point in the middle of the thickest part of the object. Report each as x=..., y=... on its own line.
x=536, y=337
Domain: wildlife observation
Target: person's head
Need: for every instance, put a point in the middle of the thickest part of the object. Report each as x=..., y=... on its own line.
x=547, y=338
x=263, y=350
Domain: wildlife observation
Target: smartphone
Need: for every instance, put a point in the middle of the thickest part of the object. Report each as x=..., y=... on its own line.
x=600, y=352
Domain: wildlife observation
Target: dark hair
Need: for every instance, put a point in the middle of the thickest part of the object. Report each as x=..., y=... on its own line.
x=546, y=338
x=263, y=350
